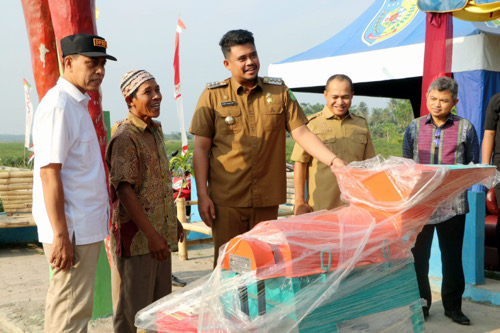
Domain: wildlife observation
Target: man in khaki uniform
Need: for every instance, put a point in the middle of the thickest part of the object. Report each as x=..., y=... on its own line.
x=342, y=132
x=240, y=129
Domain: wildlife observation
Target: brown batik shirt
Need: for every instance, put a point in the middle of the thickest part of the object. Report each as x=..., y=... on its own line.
x=136, y=155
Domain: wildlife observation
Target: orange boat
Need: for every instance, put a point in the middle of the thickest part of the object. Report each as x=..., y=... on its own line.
x=328, y=269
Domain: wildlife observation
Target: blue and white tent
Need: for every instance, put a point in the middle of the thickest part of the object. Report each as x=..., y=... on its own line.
x=383, y=53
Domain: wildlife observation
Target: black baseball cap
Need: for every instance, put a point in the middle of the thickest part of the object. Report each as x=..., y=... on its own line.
x=85, y=44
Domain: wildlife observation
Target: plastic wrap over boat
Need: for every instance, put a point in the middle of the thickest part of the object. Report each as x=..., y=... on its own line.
x=331, y=271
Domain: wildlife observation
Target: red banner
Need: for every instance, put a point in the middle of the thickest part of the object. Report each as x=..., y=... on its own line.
x=438, y=52
x=177, y=80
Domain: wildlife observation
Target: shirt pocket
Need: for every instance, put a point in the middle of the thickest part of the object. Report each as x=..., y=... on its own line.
x=330, y=143
x=359, y=138
x=228, y=119
x=273, y=117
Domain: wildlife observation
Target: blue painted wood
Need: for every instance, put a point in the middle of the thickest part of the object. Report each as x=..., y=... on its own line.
x=473, y=248
x=18, y=235
x=195, y=216
x=435, y=267
x=483, y=295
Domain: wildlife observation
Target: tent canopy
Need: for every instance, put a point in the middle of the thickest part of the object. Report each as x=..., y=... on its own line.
x=383, y=53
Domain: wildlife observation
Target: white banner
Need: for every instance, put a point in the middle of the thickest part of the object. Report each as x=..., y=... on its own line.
x=29, y=113
x=177, y=85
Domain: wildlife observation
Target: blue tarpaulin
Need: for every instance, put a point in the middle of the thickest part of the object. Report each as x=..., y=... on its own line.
x=383, y=52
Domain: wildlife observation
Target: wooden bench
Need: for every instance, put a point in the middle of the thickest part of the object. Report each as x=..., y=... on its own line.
x=198, y=226
x=16, y=190
x=285, y=210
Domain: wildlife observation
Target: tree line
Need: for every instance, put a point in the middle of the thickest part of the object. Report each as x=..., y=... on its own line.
x=387, y=123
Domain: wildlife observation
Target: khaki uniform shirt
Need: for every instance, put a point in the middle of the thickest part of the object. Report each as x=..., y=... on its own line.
x=349, y=139
x=248, y=132
x=136, y=155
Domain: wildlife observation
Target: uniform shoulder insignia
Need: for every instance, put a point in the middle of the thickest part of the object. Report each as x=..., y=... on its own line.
x=216, y=84
x=354, y=115
x=314, y=116
x=273, y=80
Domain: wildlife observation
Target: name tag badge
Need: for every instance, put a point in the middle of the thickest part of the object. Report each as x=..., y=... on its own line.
x=232, y=103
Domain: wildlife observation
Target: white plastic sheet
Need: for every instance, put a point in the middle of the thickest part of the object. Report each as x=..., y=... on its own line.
x=328, y=270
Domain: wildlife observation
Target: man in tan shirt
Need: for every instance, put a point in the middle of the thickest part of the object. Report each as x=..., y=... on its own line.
x=344, y=133
x=240, y=127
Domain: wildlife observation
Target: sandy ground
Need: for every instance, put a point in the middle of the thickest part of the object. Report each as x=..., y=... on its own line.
x=24, y=279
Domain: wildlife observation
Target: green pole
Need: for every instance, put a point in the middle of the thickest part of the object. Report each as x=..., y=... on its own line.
x=103, y=305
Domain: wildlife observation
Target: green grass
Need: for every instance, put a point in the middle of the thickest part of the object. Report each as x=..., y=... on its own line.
x=387, y=149
x=12, y=154
x=11, y=149
x=382, y=147
x=289, y=148
x=172, y=145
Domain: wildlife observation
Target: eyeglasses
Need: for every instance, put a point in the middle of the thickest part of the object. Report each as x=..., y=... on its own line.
x=437, y=136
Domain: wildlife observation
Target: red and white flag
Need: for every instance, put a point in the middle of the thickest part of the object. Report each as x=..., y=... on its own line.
x=29, y=113
x=177, y=84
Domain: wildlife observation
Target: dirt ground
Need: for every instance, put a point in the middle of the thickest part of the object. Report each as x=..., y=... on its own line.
x=24, y=280
x=24, y=277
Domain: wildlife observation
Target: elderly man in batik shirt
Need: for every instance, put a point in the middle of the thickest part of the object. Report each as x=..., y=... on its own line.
x=144, y=217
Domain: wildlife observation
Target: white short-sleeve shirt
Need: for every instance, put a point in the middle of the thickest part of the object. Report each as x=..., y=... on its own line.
x=63, y=133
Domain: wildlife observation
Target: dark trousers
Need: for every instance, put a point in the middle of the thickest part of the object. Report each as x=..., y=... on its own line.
x=142, y=281
x=497, y=241
x=498, y=238
x=450, y=235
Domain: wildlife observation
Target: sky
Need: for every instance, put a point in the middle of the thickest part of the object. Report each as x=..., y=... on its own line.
x=141, y=34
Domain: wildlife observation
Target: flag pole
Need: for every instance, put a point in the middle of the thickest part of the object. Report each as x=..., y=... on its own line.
x=177, y=85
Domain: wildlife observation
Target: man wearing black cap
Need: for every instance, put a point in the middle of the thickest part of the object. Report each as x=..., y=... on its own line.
x=70, y=200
